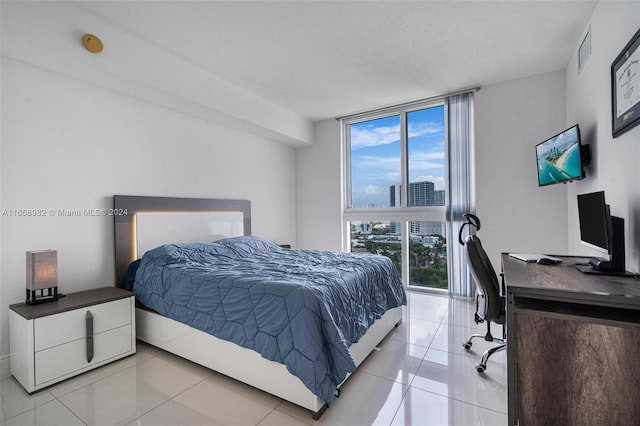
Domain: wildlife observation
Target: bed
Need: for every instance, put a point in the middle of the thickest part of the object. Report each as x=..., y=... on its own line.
x=198, y=247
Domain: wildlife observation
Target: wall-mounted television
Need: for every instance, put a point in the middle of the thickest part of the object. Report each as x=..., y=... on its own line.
x=560, y=158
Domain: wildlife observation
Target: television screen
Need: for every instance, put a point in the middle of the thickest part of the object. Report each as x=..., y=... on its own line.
x=559, y=158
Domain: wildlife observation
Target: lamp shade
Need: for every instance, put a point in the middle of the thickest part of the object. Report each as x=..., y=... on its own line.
x=42, y=269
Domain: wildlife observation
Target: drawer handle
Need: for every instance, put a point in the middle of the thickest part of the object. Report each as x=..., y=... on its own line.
x=89, y=336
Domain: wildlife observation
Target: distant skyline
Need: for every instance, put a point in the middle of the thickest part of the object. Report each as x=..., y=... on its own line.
x=375, y=154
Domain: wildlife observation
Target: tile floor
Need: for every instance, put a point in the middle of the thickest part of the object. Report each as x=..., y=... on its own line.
x=421, y=375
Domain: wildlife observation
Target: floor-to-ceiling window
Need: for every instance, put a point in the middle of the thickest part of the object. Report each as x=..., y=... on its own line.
x=408, y=180
x=396, y=189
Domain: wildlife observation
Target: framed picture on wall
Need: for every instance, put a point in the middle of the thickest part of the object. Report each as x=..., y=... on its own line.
x=625, y=87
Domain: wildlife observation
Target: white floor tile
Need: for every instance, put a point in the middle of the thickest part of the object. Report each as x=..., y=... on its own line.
x=395, y=361
x=278, y=418
x=143, y=353
x=461, y=313
x=52, y=413
x=452, y=375
x=449, y=338
x=425, y=408
x=415, y=331
x=425, y=308
x=92, y=376
x=365, y=400
x=15, y=400
x=172, y=413
x=218, y=400
x=129, y=393
x=427, y=296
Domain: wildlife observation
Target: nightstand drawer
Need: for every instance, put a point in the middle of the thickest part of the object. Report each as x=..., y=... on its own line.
x=68, y=326
x=54, y=363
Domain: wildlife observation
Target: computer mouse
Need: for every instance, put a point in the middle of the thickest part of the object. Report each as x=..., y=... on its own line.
x=546, y=261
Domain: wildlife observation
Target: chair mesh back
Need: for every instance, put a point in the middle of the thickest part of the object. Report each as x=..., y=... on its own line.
x=485, y=278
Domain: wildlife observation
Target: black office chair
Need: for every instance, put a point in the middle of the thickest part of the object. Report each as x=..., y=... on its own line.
x=490, y=300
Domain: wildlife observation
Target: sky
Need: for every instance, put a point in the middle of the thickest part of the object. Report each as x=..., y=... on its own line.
x=375, y=154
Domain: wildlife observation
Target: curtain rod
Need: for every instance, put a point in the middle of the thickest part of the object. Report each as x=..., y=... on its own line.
x=409, y=104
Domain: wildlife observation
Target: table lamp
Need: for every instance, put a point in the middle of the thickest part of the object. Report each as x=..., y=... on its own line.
x=42, y=276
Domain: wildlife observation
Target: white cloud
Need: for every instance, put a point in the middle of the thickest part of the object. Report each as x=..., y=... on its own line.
x=363, y=136
x=425, y=128
x=427, y=156
x=371, y=135
x=373, y=190
x=376, y=163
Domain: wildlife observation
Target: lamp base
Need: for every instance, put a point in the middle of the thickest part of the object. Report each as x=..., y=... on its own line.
x=33, y=298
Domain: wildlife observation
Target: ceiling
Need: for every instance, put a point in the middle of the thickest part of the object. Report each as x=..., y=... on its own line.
x=323, y=59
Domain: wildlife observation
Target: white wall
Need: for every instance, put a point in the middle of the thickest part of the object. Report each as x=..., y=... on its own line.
x=615, y=161
x=4, y=362
x=511, y=118
x=69, y=144
x=320, y=189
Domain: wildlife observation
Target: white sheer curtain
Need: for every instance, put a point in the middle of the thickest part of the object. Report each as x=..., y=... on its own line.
x=461, y=188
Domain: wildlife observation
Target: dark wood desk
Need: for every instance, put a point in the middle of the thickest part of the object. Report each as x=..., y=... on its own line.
x=573, y=345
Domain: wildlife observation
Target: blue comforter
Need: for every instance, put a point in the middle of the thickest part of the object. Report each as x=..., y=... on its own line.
x=302, y=308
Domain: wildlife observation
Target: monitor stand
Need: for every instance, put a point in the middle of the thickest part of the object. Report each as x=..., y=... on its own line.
x=615, y=266
x=588, y=269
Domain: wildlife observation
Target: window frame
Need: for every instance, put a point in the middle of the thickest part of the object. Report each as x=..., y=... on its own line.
x=402, y=213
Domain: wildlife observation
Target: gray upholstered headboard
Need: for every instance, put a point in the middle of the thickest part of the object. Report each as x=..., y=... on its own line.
x=217, y=218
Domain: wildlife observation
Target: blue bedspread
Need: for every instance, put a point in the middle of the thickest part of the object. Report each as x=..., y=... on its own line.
x=302, y=308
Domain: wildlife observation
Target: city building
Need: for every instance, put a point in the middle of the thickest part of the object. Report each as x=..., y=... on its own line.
x=420, y=194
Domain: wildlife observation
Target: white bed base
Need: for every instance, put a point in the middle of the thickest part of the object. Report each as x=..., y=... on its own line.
x=244, y=364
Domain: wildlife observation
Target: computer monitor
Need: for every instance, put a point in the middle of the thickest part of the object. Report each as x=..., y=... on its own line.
x=603, y=232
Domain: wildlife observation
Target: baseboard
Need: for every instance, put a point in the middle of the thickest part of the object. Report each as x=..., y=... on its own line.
x=5, y=369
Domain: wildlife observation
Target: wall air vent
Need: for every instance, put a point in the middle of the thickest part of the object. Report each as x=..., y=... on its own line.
x=584, y=52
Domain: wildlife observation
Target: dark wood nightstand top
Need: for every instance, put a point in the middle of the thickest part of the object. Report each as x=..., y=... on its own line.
x=70, y=302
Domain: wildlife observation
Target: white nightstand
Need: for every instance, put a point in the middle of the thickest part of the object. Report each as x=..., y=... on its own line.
x=53, y=341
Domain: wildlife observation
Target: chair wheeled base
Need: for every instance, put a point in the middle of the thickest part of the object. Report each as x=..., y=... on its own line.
x=482, y=365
